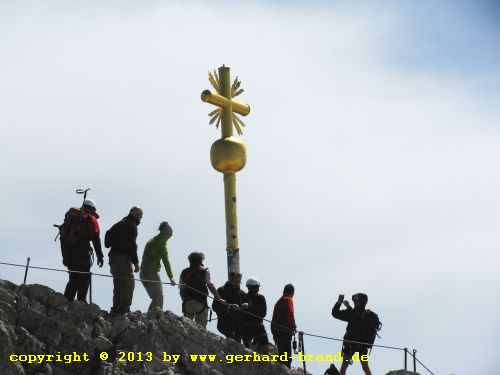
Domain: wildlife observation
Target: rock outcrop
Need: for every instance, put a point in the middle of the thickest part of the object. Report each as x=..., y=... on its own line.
x=36, y=320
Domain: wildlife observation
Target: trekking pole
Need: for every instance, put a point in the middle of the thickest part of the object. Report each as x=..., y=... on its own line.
x=303, y=350
x=90, y=288
x=406, y=359
x=26, y=270
x=414, y=360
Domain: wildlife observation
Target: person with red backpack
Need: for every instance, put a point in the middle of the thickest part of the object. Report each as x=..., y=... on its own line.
x=194, y=284
x=362, y=328
x=80, y=227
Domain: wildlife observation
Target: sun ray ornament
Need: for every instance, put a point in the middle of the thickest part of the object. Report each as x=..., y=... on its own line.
x=228, y=154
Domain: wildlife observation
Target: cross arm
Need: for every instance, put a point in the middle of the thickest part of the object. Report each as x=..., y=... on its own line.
x=223, y=102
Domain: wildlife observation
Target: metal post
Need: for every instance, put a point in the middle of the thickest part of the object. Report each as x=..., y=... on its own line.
x=414, y=360
x=406, y=359
x=303, y=350
x=90, y=288
x=26, y=270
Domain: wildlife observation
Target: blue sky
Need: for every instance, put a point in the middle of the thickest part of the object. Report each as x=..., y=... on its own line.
x=371, y=149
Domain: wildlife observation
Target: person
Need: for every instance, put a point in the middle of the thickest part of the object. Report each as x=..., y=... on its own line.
x=254, y=311
x=123, y=260
x=80, y=227
x=194, y=284
x=283, y=325
x=362, y=326
x=228, y=314
x=155, y=252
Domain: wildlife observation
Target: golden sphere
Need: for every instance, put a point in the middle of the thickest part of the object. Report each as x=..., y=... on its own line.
x=228, y=155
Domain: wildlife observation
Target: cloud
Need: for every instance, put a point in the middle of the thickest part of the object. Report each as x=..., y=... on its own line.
x=364, y=172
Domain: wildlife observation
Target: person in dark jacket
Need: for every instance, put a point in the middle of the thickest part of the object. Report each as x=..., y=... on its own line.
x=194, y=284
x=123, y=259
x=77, y=254
x=355, y=330
x=228, y=314
x=254, y=311
x=283, y=325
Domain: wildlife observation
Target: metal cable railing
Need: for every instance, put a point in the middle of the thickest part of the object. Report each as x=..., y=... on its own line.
x=27, y=266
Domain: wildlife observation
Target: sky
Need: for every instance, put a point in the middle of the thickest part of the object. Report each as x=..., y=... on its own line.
x=370, y=154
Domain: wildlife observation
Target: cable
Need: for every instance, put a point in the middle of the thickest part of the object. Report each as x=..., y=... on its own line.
x=284, y=328
x=424, y=366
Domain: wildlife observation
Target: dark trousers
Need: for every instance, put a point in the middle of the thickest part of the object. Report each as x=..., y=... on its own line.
x=254, y=333
x=228, y=325
x=78, y=283
x=123, y=283
x=284, y=343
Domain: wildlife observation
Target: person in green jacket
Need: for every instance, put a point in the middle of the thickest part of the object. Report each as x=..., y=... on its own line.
x=155, y=252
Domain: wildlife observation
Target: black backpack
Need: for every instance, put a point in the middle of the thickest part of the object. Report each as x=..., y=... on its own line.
x=196, y=286
x=115, y=234
x=108, y=237
x=371, y=326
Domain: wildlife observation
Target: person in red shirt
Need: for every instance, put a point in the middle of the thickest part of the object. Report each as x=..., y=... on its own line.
x=283, y=325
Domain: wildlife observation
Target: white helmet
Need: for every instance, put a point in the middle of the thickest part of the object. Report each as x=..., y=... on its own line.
x=89, y=203
x=253, y=282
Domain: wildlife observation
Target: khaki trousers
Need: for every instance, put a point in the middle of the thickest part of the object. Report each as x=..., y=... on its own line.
x=196, y=311
x=154, y=289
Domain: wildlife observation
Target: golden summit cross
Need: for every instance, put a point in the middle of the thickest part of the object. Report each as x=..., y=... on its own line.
x=228, y=154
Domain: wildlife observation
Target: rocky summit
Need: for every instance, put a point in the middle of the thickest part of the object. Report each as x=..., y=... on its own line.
x=41, y=333
x=38, y=325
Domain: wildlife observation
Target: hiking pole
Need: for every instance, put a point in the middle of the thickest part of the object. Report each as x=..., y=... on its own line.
x=303, y=350
x=406, y=359
x=415, y=360
x=26, y=270
x=90, y=288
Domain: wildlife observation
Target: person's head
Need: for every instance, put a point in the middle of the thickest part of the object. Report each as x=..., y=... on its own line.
x=196, y=259
x=136, y=214
x=89, y=205
x=253, y=285
x=288, y=290
x=235, y=279
x=360, y=300
x=165, y=229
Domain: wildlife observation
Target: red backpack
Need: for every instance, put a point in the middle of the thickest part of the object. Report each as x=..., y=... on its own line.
x=76, y=228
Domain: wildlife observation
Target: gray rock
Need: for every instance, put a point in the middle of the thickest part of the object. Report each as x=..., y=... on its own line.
x=102, y=344
x=36, y=320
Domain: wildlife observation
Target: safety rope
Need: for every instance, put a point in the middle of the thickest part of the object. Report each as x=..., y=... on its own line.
x=281, y=327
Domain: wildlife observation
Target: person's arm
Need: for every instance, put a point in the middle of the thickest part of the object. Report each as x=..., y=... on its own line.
x=291, y=315
x=183, y=289
x=133, y=247
x=166, y=262
x=219, y=304
x=343, y=315
x=96, y=240
x=96, y=243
